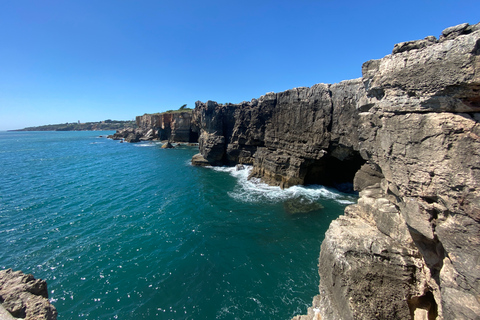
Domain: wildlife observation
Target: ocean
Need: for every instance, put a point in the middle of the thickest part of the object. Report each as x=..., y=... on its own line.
x=133, y=231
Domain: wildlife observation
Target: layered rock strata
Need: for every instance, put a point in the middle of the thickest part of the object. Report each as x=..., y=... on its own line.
x=171, y=126
x=407, y=135
x=303, y=135
x=23, y=296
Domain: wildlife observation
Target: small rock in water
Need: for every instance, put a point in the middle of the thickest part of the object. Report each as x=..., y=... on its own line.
x=301, y=204
x=239, y=167
x=168, y=145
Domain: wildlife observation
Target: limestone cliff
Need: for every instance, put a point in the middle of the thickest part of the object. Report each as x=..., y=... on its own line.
x=407, y=135
x=171, y=126
x=299, y=136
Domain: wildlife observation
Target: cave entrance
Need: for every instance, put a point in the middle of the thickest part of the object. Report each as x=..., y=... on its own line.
x=332, y=172
x=164, y=134
x=193, y=136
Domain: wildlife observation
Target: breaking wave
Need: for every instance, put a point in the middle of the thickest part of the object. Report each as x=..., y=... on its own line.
x=254, y=190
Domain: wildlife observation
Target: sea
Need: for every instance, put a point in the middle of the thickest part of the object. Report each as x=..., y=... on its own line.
x=133, y=231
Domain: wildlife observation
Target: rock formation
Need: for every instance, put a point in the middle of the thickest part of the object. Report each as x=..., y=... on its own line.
x=171, y=126
x=407, y=136
x=23, y=296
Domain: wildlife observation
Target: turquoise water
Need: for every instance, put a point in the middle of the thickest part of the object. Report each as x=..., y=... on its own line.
x=132, y=231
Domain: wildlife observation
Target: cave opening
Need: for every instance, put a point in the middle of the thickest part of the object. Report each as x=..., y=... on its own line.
x=423, y=307
x=330, y=171
x=164, y=134
x=193, y=136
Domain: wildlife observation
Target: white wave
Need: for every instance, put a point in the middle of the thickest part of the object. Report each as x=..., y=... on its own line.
x=149, y=144
x=254, y=190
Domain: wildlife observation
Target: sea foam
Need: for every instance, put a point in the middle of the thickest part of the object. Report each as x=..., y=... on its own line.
x=254, y=190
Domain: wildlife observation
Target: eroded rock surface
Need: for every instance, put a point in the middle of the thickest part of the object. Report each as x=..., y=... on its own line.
x=25, y=297
x=171, y=126
x=294, y=137
x=407, y=135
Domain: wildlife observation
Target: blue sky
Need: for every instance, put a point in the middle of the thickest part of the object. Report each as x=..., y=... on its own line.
x=64, y=61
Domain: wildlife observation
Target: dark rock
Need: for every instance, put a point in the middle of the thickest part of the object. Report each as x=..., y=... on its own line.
x=239, y=167
x=289, y=137
x=301, y=204
x=458, y=30
x=167, y=145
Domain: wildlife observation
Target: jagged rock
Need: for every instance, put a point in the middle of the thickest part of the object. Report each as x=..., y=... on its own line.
x=127, y=134
x=366, y=274
x=167, y=145
x=172, y=126
x=416, y=44
x=367, y=175
x=410, y=247
x=199, y=160
x=299, y=136
x=25, y=297
x=239, y=167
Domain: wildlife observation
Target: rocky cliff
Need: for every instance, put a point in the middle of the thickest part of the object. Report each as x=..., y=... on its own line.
x=171, y=126
x=23, y=296
x=407, y=136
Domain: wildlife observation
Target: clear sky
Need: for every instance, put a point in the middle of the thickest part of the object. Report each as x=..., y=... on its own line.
x=91, y=60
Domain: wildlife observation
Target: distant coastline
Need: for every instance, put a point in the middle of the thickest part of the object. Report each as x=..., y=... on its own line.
x=87, y=126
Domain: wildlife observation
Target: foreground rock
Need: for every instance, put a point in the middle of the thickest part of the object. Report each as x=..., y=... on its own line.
x=23, y=296
x=407, y=136
x=171, y=126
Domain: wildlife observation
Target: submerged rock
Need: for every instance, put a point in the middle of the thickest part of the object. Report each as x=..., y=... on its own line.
x=199, y=160
x=300, y=205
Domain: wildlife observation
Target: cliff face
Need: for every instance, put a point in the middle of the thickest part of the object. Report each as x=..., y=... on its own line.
x=293, y=137
x=407, y=135
x=171, y=126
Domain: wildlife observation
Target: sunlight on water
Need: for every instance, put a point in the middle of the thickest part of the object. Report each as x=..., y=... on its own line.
x=133, y=231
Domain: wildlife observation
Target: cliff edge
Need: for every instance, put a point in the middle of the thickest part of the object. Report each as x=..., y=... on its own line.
x=172, y=126
x=407, y=137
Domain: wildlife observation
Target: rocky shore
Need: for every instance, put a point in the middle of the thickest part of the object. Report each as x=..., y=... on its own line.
x=170, y=126
x=407, y=136
x=23, y=296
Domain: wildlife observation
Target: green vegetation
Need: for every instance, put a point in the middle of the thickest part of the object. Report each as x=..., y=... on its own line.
x=181, y=109
x=88, y=126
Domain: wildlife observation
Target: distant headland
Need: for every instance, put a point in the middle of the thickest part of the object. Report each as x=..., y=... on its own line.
x=87, y=126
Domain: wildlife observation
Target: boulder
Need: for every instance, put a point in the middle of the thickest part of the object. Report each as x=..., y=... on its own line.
x=199, y=160
x=167, y=145
x=25, y=297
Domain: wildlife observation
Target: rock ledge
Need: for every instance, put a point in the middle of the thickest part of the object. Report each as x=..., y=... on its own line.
x=25, y=297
